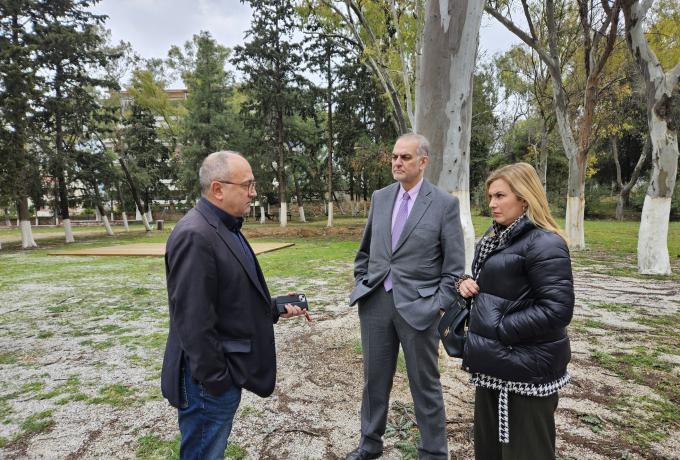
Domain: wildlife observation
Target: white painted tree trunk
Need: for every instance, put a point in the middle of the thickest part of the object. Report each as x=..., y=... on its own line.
x=107, y=225
x=37, y=222
x=27, y=240
x=138, y=215
x=125, y=222
x=653, y=255
x=329, y=223
x=574, y=216
x=145, y=221
x=262, y=216
x=283, y=215
x=149, y=216
x=97, y=215
x=653, y=258
x=301, y=211
x=468, y=228
x=444, y=98
x=68, y=231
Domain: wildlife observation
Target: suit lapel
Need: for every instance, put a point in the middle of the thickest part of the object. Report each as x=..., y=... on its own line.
x=227, y=237
x=386, y=215
x=419, y=207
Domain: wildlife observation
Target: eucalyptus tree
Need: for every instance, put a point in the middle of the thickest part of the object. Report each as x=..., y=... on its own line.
x=523, y=74
x=661, y=91
x=71, y=53
x=271, y=62
x=552, y=26
x=385, y=34
x=444, y=98
x=18, y=81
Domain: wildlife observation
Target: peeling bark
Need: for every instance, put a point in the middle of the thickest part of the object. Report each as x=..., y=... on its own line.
x=444, y=99
x=653, y=257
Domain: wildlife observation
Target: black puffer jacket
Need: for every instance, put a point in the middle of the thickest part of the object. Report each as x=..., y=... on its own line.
x=522, y=340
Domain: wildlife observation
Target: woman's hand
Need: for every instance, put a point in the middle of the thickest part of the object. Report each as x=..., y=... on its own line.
x=468, y=288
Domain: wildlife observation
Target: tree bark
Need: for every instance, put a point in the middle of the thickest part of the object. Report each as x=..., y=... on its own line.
x=134, y=192
x=653, y=257
x=444, y=99
x=27, y=240
x=329, y=103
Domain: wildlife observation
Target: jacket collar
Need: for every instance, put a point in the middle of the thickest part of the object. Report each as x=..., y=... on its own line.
x=204, y=208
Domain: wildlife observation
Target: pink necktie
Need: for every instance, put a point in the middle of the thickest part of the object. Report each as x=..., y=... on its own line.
x=397, y=228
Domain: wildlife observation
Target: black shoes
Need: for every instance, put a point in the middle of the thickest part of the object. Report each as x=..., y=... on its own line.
x=361, y=454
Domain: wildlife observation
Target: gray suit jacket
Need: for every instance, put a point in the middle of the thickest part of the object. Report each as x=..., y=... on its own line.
x=427, y=259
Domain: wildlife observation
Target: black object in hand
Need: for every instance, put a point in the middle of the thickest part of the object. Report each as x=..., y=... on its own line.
x=296, y=299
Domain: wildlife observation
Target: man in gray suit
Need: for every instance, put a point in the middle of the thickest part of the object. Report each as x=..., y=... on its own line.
x=411, y=253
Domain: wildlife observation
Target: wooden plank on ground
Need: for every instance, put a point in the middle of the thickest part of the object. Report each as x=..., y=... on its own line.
x=151, y=249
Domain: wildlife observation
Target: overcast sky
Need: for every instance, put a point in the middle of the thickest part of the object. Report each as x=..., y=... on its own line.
x=153, y=26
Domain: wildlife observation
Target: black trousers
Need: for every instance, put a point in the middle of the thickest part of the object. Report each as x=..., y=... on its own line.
x=531, y=421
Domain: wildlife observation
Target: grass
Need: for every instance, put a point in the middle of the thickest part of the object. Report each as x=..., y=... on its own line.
x=98, y=307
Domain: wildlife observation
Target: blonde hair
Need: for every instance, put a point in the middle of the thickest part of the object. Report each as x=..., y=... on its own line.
x=524, y=182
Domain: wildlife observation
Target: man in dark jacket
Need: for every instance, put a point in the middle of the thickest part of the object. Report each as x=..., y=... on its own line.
x=221, y=336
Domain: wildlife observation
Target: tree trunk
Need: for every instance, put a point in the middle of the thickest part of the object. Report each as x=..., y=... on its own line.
x=444, y=99
x=653, y=257
x=329, y=103
x=542, y=163
x=122, y=208
x=134, y=192
x=298, y=195
x=27, y=240
x=105, y=220
x=281, y=170
x=60, y=161
x=262, y=216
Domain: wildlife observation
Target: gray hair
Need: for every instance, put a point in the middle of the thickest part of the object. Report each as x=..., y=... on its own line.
x=423, y=148
x=215, y=167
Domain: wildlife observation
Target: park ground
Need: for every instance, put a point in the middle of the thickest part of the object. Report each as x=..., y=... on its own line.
x=81, y=343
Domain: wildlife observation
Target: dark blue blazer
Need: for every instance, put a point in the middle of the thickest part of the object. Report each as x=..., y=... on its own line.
x=221, y=315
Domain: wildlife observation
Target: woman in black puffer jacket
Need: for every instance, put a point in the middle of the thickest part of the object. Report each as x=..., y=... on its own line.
x=517, y=346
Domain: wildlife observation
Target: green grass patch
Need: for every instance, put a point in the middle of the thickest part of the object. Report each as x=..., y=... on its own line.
x=235, y=452
x=116, y=395
x=37, y=423
x=152, y=447
x=615, y=307
x=9, y=357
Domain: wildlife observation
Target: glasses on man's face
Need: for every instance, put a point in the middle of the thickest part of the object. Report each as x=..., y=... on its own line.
x=249, y=185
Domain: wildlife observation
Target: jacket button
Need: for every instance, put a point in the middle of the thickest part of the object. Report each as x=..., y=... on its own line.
x=510, y=347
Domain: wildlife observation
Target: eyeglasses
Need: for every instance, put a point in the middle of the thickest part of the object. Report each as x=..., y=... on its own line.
x=250, y=185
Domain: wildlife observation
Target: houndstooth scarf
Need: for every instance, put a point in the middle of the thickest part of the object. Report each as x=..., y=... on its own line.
x=491, y=241
x=524, y=389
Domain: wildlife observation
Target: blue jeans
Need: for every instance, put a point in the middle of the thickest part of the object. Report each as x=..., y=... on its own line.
x=205, y=420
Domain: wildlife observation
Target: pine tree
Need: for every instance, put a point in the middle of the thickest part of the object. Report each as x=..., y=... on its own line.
x=271, y=62
x=70, y=52
x=209, y=122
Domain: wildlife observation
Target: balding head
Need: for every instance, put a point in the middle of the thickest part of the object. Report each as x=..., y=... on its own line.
x=217, y=166
x=227, y=181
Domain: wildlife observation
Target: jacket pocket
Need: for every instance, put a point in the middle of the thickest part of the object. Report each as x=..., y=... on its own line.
x=237, y=345
x=427, y=291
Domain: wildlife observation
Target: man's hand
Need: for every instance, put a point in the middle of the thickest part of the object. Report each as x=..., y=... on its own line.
x=294, y=310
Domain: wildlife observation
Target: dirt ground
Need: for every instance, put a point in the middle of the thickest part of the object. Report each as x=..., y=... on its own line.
x=314, y=412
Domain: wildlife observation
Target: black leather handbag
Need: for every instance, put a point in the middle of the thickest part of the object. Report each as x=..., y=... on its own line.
x=453, y=327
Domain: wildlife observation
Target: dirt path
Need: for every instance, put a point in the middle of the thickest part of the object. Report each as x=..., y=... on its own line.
x=314, y=411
